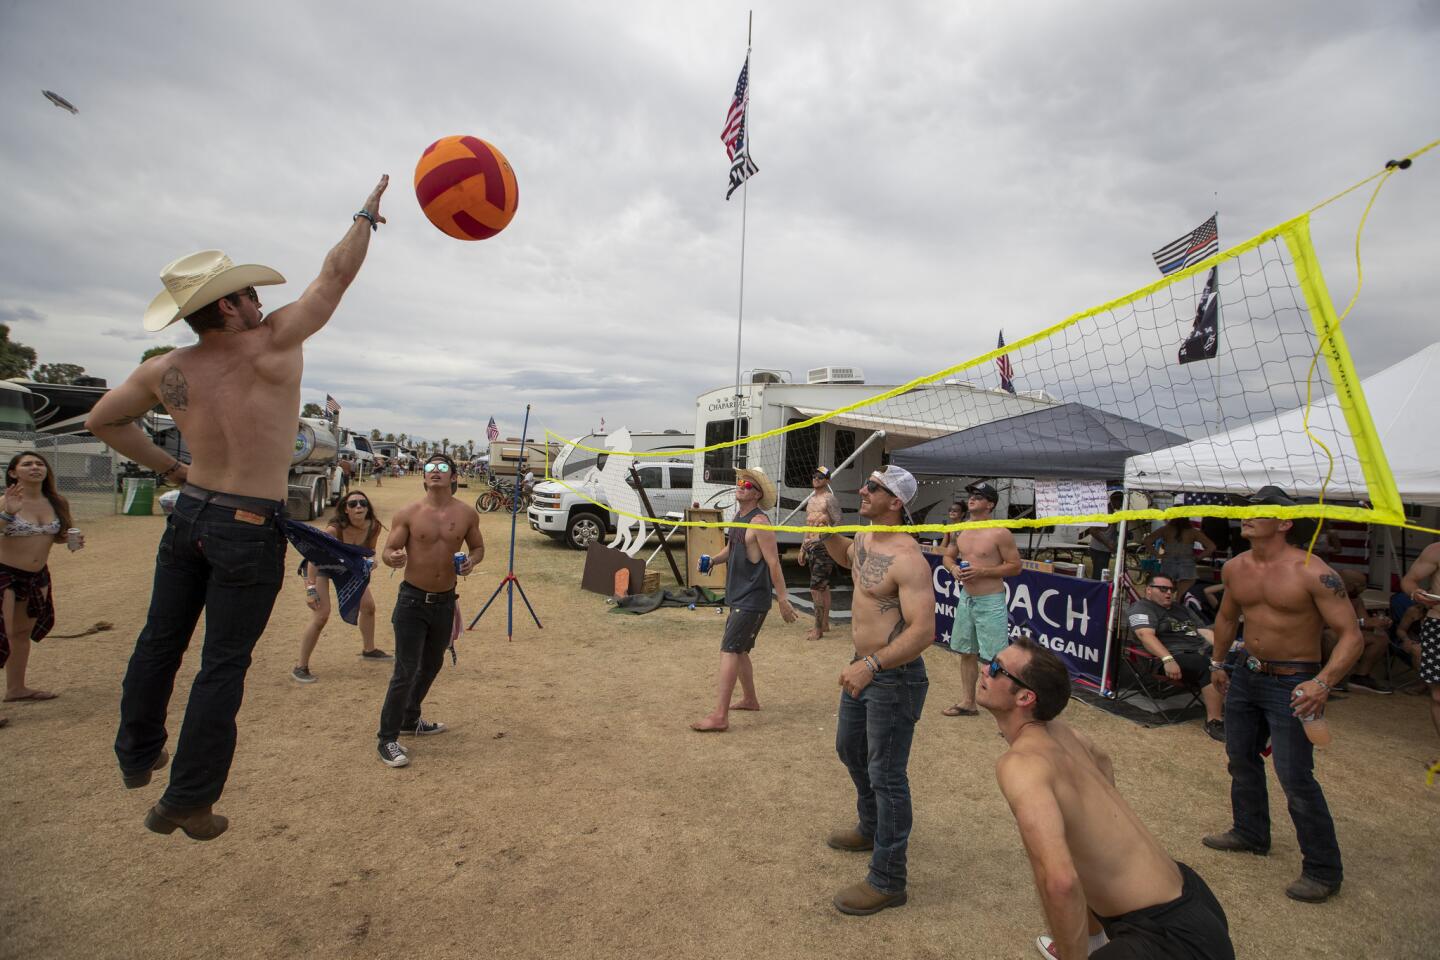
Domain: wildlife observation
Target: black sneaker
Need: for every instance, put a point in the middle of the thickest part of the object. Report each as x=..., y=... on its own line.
x=302, y=675
x=1369, y=684
x=392, y=756
x=377, y=654
x=425, y=729
x=1215, y=730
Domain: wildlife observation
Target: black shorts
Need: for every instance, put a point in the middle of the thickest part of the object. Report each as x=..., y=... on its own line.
x=1194, y=668
x=741, y=629
x=1190, y=927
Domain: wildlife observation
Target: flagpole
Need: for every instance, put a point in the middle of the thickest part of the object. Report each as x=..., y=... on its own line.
x=744, y=210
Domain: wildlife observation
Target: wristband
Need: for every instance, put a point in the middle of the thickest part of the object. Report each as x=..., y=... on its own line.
x=1167, y=659
x=170, y=469
x=874, y=666
x=1321, y=684
x=7, y=517
x=1217, y=666
x=374, y=224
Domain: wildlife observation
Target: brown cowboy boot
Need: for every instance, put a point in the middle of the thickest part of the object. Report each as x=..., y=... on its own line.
x=134, y=779
x=198, y=824
x=851, y=840
x=861, y=899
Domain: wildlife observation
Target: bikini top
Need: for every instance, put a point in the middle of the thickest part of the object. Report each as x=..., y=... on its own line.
x=20, y=527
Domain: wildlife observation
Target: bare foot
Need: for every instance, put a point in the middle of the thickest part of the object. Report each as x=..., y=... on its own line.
x=710, y=725
x=815, y=634
x=745, y=705
x=25, y=693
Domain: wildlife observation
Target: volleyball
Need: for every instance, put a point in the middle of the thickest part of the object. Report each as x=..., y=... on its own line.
x=466, y=187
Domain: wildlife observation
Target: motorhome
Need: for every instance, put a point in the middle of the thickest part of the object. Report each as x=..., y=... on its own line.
x=853, y=443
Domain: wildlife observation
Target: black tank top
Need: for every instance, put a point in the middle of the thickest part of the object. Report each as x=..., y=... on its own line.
x=747, y=584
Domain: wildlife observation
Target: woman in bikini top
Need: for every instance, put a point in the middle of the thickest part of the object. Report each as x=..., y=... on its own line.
x=33, y=518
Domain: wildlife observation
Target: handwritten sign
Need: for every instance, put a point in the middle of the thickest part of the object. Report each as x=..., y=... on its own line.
x=1069, y=498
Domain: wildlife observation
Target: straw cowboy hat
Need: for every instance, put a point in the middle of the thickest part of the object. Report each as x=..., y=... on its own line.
x=766, y=485
x=199, y=279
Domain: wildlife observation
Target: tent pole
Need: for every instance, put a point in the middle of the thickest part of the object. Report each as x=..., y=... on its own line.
x=1114, y=603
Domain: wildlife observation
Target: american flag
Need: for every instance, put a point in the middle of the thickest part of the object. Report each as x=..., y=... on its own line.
x=1202, y=242
x=332, y=407
x=742, y=168
x=492, y=432
x=1002, y=364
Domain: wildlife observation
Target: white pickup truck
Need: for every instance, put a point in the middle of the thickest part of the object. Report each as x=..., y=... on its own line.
x=559, y=513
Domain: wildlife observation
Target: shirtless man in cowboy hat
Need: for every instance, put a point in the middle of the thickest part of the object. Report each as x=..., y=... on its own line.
x=752, y=569
x=235, y=397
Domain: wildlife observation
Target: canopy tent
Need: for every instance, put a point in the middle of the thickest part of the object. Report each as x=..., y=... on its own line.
x=1070, y=440
x=1402, y=405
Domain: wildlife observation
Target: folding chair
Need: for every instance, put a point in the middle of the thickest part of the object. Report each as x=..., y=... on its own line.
x=1147, y=680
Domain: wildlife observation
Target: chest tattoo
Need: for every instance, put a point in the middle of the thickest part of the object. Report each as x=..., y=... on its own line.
x=175, y=390
x=886, y=604
x=872, y=567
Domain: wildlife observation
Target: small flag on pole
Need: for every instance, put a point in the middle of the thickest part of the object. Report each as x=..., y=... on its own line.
x=1002, y=364
x=492, y=432
x=602, y=425
x=1203, y=341
x=1202, y=242
x=742, y=168
x=332, y=407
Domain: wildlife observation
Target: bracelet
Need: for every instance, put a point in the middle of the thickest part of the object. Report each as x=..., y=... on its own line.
x=171, y=469
x=1167, y=659
x=873, y=664
x=374, y=224
x=7, y=517
x=1321, y=684
x=1217, y=666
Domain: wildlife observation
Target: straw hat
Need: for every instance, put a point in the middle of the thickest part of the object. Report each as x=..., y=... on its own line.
x=199, y=279
x=766, y=485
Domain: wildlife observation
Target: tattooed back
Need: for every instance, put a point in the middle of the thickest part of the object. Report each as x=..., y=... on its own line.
x=1279, y=600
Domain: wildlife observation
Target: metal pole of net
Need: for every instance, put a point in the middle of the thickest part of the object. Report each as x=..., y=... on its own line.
x=510, y=583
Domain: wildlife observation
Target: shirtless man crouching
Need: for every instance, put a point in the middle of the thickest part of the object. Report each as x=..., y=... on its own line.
x=883, y=689
x=1287, y=598
x=982, y=623
x=424, y=538
x=235, y=396
x=1087, y=848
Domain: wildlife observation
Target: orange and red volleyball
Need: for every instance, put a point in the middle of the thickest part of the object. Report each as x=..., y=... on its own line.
x=466, y=187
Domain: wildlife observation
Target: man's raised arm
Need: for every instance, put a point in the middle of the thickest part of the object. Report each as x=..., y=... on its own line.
x=115, y=422
x=295, y=323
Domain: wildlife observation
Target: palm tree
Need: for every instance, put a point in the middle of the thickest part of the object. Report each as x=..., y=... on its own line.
x=445, y=445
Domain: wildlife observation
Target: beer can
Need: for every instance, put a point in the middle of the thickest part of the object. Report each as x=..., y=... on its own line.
x=72, y=539
x=460, y=561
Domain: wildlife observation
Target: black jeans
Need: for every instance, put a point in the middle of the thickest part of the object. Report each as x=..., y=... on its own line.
x=422, y=633
x=208, y=560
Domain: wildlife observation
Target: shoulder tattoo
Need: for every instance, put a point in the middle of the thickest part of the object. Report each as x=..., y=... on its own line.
x=1333, y=583
x=175, y=390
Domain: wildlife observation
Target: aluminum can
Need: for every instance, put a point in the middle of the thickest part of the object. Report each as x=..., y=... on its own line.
x=72, y=539
x=460, y=561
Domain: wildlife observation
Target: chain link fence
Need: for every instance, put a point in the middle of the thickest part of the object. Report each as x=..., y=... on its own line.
x=85, y=469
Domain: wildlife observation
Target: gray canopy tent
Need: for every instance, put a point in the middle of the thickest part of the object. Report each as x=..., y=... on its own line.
x=1069, y=440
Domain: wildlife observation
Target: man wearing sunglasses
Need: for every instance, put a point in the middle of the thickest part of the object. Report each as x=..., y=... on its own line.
x=235, y=396
x=822, y=510
x=882, y=691
x=424, y=538
x=752, y=570
x=1089, y=851
x=982, y=622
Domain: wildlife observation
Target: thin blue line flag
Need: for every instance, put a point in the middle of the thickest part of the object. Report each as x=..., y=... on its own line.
x=347, y=566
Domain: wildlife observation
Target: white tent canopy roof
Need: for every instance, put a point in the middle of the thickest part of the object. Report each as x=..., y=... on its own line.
x=1402, y=403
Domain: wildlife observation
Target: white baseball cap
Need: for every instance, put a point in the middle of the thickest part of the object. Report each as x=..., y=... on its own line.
x=899, y=481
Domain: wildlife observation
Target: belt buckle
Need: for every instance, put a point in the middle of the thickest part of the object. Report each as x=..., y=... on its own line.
x=1254, y=664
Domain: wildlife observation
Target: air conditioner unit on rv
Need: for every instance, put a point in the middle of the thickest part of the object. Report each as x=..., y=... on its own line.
x=760, y=375
x=835, y=375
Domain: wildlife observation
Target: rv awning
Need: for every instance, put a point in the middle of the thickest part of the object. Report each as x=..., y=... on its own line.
x=900, y=429
x=1070, y=440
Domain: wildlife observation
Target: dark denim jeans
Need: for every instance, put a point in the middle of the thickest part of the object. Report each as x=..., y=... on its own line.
x=873, y=738
x=422, y=634
x=1257, y=709
x=231, y=569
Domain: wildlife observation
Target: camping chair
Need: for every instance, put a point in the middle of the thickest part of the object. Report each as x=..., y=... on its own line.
x=1146, y=680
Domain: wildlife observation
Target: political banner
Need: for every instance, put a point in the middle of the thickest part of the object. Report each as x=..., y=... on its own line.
x=1066, y=615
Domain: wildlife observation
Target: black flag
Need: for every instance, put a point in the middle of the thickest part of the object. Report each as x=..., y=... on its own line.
x=1204, y=338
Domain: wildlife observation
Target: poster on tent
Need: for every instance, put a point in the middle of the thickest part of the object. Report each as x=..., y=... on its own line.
x=1070, y=498
x=1064, y=614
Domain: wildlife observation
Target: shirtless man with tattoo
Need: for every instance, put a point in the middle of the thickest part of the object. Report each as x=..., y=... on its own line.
x=235, y=396
x=823, y=510
x=1107, y=887
x=883, y=689
x=982, y=624
x=1287, y=599
x=1422, y=583
x=424, y=538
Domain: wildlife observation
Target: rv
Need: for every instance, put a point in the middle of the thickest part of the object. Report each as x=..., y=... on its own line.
x=853, y=444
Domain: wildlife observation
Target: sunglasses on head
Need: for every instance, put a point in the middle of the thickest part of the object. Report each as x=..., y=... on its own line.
x=875, y=486
x=432, y=467
x=994, y=670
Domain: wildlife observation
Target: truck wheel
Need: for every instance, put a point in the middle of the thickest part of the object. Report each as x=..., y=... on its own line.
x=317, y=498
x=584, y=529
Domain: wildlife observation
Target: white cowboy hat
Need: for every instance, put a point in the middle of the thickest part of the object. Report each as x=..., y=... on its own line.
x=199, y=279
x=766, y=485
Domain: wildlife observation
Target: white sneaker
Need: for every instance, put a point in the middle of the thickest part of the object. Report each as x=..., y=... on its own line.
x=1046, y=946
x=302, y=675
x=392, y=756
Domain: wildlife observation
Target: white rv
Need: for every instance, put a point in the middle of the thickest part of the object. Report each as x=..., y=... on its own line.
x=857, y=442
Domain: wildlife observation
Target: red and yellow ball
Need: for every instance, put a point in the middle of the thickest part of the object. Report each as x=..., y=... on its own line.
x=466, y=187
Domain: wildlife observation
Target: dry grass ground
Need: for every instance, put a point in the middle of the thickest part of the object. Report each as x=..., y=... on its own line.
x=571, y=813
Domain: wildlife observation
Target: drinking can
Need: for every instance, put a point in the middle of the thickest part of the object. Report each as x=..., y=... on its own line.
x=963, y=564
x=72, y=539
x=459, y=561
x=705, y=562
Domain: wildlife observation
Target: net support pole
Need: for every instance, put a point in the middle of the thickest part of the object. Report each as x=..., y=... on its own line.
x=1110, y=610
x=877, y=435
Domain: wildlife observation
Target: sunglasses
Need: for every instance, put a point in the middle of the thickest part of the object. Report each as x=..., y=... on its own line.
x=994, y=670
x=1162, y=588
x=875, y=487
x=821, y=476
x=249, y=292
x=432, y=467
x=746, y=485
x=352, y=504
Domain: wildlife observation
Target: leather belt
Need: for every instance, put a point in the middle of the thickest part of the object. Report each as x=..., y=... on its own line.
x=1281, y=668
x=442, y=597
x=234, y=502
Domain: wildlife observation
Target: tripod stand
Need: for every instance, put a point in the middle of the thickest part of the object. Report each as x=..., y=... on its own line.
x=510, y=583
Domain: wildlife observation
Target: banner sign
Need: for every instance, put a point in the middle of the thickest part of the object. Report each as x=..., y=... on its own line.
x=1063, y=614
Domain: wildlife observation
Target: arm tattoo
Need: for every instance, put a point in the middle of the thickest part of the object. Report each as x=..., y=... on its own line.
x=1333, y=583
x=898, y=629
x=872, y=567
x=126, y=421
x=175, y=390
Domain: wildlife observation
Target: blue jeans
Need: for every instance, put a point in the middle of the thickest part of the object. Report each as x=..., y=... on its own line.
x=873, y=738
x=1257, y=708
x=208, y=560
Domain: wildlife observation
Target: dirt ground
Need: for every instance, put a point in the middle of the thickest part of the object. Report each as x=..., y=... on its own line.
x=571, y=812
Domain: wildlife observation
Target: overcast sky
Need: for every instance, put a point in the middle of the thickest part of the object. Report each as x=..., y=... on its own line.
x=929, y=173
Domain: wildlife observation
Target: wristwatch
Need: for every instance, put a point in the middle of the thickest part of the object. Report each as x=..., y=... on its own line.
x=1217, y=666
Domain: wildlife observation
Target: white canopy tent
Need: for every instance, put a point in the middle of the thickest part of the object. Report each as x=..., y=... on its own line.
x=1402, y=404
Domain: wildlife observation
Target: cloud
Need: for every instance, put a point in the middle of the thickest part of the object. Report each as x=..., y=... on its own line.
x=9, y=314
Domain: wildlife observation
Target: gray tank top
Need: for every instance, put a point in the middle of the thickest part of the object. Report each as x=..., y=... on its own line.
x=747, y=585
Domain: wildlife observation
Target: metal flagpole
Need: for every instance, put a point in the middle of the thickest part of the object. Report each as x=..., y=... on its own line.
x=744, y=209
x=510, y=580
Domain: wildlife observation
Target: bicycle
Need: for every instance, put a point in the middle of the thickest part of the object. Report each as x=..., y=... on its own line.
x=500, y=496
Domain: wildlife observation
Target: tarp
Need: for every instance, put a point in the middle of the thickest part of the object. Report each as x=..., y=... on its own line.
x=1402, y=404
x=1070, y=441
